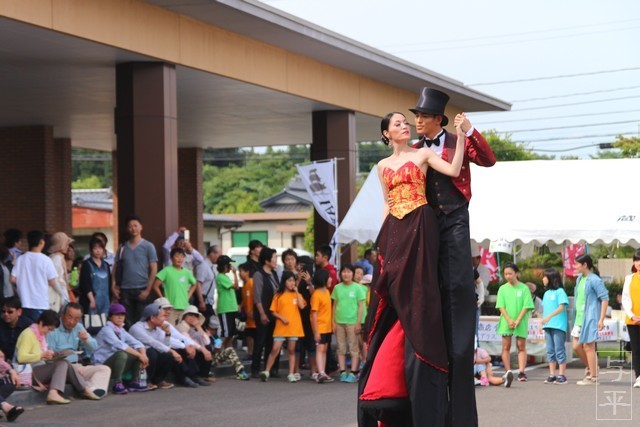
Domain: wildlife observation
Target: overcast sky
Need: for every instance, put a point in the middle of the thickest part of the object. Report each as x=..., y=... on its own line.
x=480, y=42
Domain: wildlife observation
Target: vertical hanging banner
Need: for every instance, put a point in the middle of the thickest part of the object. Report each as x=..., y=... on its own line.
x=318, y=179
x=569, y=254
x=488, y=259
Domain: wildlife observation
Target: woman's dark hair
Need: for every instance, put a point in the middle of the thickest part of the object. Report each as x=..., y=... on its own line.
x=254, y=244
x=511, y=266
x=286, y=275
x=636, y=257
x=95, y=241
x=554, y=278
x=321, y=278
x=265, y=255
x=100, y=235
x=586, y=259
x=349, y=267
x=307, y=263
x=384, y=125
x=49, y=318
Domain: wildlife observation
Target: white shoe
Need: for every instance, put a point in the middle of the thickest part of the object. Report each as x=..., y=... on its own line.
x=508, y=378
x=637, y=383
x=476, y=382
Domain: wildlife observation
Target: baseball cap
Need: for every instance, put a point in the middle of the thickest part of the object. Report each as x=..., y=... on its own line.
x=163, y=302
x=152, y=310
x=224, y=260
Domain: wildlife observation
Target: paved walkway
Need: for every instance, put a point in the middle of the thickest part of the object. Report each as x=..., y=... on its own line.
x=279, y=404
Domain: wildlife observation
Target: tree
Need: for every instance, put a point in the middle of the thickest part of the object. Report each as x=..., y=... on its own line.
x=87, y=183
x=506, y=150
x=370, y=153
x=630, y=147
x=91, y=163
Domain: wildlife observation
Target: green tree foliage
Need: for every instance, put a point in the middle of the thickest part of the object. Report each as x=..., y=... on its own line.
x=91, y=163
x=630, y=147
x=309, y=241
x=370, y=153
x=87, y=183
x=239, y=189
x=507, y=151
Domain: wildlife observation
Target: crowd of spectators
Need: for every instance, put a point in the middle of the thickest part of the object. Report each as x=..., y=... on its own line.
x=117, y=322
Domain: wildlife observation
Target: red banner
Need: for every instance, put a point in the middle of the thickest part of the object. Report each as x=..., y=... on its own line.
x=569, y=254
x=489, y=260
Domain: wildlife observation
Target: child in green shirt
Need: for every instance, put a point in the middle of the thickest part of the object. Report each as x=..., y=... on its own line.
x=177, y=282
x=514, y=302
x=348, y=306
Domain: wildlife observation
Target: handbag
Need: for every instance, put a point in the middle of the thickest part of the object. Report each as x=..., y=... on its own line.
x=93, y=322
x=25, y=372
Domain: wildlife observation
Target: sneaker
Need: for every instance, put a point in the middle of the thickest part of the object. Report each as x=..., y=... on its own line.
x=522, y=377
x=135, y=386
x=508, y=379
x=343, y=377
x=165, y=385
x=476, y=382
x=314, y=377
x=484, y=382
x=242, y=375
x=201, y=381
x=119, y=388
x=292, y=378
x=324, y=378
x=298, y=376
x=550, y=380
x=587, y=381
x=351, y=378
x=151, y=386
x=561, y=379
x=637, y=383
x=264, y=376
x=188, y=382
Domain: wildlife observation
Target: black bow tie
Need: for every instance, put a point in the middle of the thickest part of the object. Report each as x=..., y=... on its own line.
x=430, y=142
x=435, y=141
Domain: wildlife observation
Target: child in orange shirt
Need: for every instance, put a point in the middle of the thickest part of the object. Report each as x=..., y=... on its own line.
x=285, y=307
x=321, y=321
x=246, y=273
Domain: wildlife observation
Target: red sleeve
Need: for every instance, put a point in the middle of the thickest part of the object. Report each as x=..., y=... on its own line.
x=479, y=151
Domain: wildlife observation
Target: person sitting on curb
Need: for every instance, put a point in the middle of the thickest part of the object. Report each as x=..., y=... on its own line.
x=183, y=343
x=120, y=351
x=155, y=333
x=11, y=325
x=70, y=336
x=32, y=348
x=9, y=380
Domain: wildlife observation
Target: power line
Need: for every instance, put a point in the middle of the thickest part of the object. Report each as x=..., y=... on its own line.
x=574, y=137
x=544, y=107
x=509, y=41
x=575, y=94
x=558, y=76
x=550, y=30
x=571, y=127
x=556, y=117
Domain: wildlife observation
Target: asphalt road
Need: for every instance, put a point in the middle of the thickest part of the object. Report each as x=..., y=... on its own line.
x=277, y=403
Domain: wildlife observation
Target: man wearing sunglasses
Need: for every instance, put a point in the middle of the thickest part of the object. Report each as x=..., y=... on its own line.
x=11, y=325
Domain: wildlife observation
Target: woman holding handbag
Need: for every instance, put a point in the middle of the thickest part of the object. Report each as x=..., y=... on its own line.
x=95, y=277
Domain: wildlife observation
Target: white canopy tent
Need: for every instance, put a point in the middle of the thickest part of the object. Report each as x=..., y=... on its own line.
x=535, y=201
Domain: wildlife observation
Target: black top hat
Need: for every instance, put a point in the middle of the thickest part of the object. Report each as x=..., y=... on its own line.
x=432, y=101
